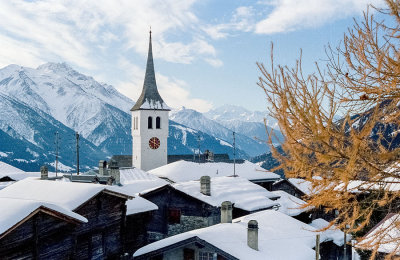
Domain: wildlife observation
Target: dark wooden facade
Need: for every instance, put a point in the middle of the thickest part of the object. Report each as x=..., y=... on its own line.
x=44, y=236
x=188, y=249
x=103, y=235
x=288, y=187
x=136, y=231
x=177, y=213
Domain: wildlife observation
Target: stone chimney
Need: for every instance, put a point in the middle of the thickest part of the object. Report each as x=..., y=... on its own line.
x=114, y=172
x=252, y=234
x=226, y=212
x=103, y=168
x=205, y=185
x=44, y=173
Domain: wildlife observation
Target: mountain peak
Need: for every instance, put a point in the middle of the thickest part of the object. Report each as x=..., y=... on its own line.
x=55, y=67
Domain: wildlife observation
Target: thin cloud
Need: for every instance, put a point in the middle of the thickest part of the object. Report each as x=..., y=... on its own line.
x=243, y=19
x=87, y=34
x=290, y=15
x=174, y=92
x=75, y=31
x=279, y=16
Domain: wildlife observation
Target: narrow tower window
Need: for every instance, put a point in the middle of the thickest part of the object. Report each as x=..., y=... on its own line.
x=150, y=122
x=158, y=122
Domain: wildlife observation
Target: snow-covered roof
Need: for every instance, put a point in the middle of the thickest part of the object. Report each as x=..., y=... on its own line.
x=135, y=180
x=241, y=192
x=356, y=186
x=69, y=195
x=133, y=174
x=187, y=171
x=139, y=205
x=15, y=210
x=279, y=237
x=6, y=169
x=303, y=185
x=332, y=234
x=290, y=205
x=17, y=176
x=4, y=184
x=384, y=237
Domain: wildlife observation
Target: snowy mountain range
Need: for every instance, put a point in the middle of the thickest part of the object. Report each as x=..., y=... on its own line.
x=36, y=103
x=252, y=124
x=196, y=120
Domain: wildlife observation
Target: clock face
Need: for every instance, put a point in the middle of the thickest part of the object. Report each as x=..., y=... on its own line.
x=154, y=143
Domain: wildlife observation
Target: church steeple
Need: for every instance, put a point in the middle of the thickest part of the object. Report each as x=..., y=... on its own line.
x=150, y=123
x=150, y=98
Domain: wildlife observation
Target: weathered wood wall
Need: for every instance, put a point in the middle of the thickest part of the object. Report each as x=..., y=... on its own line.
x=194, y=213
x=47, y=237
x=42, y=236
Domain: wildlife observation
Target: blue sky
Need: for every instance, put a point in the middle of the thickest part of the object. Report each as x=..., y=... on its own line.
x=205, y=50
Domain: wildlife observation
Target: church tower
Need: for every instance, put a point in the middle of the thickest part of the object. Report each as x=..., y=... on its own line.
x=149, y=123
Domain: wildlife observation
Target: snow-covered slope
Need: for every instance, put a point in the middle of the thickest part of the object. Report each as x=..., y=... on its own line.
x=35, y=103
x=228, y=113
x=74, y=99
x=196, y=120
x=184, y=140
x=245, y=122
x=27, y=138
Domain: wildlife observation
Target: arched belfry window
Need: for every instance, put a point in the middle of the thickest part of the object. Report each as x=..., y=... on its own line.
x=158, y=122
x=150, y=122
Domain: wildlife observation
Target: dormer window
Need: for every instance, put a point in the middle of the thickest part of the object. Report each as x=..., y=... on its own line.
x=150, y=122
x=158, y=122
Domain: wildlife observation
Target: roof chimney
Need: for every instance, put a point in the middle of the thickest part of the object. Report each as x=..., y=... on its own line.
x=252, y=234
x=44, y=173
x=205, y=185
x=226, y=212
x=114, y=172
x=103, y=168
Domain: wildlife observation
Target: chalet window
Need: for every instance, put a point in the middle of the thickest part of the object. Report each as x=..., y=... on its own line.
x=188, y=254
x=207, y=255
x=174, y=216
x=158, y=122
x=150, y=122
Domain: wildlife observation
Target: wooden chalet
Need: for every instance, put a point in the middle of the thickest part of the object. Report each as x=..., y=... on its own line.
x=177, y=213
x=289, y=187
x=196, y=204
x=383, y=237
x=44, y=233
x=263, y=235
x=35, y=230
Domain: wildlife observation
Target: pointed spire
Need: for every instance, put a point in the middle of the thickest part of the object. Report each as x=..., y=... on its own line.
x=150, y=98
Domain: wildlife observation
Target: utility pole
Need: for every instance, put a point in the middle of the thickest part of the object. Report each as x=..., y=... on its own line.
x=345, y=242
x=234, y=155
x=77, y=152
x=344, y=246
x=198, y=140
x=57, y=147
x=317, y=247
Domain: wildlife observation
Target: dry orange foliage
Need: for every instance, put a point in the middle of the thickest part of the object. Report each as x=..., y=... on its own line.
x=356, y=158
